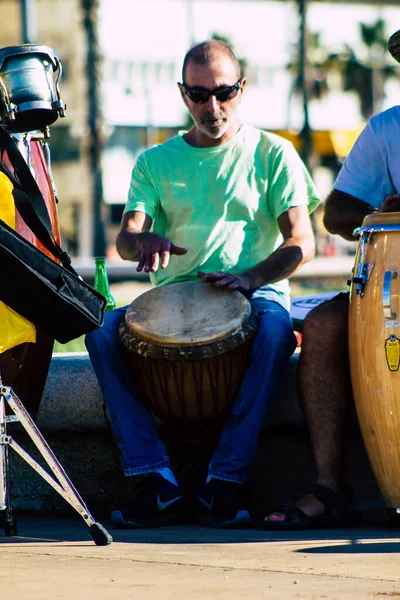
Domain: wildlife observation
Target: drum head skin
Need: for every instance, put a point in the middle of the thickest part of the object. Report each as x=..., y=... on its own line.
x=392, y=218
x=187, y=320
x=187, y=313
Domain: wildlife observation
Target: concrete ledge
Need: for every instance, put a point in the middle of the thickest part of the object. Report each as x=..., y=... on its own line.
x=120, y=270
x=72, y=418
x=72, y=400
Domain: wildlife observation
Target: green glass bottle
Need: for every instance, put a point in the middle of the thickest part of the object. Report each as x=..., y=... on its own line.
x=101, y=282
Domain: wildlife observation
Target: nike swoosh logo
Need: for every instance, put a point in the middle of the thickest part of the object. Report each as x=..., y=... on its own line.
x=208, y=505
x=163, y=505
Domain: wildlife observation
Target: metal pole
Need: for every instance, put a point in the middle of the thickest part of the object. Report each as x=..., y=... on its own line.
x=190, y=21
x=93, y=59
x=305, y=134
x=28, y=22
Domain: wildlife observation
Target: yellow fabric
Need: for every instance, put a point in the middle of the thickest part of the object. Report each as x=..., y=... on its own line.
x=14, y=328
x=7, y=208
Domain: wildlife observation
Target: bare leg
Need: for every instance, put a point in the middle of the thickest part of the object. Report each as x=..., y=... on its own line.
x=326, y=396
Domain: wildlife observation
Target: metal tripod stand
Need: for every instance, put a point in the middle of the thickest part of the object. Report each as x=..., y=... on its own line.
x=61, y=483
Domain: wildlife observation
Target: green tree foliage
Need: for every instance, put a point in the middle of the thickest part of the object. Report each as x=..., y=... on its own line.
x=367, y=76
x=365, y=73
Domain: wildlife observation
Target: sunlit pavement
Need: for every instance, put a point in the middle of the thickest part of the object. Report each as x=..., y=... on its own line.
x=55, y=557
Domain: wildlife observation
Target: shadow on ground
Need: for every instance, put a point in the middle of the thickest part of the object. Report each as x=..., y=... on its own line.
x=34, y=529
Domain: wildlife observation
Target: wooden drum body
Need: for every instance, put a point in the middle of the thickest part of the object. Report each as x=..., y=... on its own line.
x=187, y=346
x=374, y=345
x=26, y=366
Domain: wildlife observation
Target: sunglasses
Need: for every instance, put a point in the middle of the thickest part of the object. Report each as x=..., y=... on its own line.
x=200, y=95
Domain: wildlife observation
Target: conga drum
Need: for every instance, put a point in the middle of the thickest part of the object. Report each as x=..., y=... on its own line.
x=187, y=346
x=374, y=345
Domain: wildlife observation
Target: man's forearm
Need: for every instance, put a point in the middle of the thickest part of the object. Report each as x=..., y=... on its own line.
x=134, y=224
x=280, y=264
x=344, y=213
x=126, y=244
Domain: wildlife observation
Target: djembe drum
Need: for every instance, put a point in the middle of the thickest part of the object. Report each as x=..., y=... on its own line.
x=187, y=346
x=374, y=345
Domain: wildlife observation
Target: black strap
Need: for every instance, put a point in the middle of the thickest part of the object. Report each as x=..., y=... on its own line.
x=29, y=200
x=331, y=500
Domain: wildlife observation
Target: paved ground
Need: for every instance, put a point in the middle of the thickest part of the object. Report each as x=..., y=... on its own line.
x=54, y=558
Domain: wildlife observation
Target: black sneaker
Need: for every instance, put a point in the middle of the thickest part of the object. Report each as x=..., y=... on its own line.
x=222, y=504
x=156, y=502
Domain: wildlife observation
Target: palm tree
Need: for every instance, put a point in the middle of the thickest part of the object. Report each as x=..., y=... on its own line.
x=367, y=78
x=94, y=120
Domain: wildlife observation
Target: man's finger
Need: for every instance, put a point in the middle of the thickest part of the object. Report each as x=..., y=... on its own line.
x=141, y=262
x=177, y=250
x=165, y=259
x=224, y=281
x=235, y=285
x=391, y=204
x=154, y=262
x=215, y=276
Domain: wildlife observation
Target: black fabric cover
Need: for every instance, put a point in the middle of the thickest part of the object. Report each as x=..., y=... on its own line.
x=51, y=296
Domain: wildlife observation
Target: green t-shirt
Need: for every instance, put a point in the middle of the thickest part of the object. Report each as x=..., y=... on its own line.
x=220, y=203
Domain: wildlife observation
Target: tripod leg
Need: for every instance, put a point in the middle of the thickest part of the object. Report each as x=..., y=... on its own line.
x=63, y=485
x=10, y=523
x=7, y=520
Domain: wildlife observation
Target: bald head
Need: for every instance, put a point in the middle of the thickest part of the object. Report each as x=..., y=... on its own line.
x=207, y=52
x=394, y=45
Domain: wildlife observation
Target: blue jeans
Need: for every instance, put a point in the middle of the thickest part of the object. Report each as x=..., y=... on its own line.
x=133, y=426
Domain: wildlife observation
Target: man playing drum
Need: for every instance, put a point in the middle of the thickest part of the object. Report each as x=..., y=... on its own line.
x=227, y=204
x=369, y=181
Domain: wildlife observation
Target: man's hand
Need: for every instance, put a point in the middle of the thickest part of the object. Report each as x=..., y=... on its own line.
x=229, y=280
x=155, y=251
x=390, y=204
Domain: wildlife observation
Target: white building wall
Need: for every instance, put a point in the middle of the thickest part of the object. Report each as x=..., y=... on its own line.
x=144, y=42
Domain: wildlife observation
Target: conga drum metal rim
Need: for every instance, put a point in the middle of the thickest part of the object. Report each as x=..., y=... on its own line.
x=374, y=347
x=372, y=224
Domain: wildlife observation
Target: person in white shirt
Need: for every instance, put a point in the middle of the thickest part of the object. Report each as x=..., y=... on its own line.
x=369, y=181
